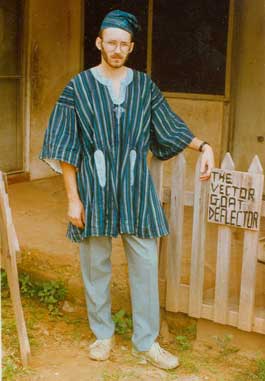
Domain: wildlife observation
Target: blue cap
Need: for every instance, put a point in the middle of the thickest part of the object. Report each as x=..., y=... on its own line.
x=122, y=20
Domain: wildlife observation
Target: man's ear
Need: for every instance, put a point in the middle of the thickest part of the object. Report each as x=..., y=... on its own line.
x=132, y=47
x=98, y=43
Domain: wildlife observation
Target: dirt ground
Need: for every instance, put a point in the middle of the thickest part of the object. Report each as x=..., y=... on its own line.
x=59, y=352
x=59, y=344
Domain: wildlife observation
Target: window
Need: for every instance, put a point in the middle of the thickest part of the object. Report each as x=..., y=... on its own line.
x=188, y=41
x=189, y=45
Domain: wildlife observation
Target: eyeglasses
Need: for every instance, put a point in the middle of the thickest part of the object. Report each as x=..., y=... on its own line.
x=112, y=45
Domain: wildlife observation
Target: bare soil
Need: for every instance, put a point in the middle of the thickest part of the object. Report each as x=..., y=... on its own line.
x=59, y=352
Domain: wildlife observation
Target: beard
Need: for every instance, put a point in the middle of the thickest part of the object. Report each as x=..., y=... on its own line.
x=114, y=60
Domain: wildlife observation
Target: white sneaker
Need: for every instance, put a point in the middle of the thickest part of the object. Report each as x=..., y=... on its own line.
x=101, y=348
x=158, y=357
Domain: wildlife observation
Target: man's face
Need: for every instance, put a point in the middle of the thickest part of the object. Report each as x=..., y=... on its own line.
x=115, y=45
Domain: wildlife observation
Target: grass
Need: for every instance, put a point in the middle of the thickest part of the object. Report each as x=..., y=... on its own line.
x=123, y=322
x=183, y=343
x=119, y=376
x=42, y=297
x=225, y=345
x=50, y=293
x=255, y=373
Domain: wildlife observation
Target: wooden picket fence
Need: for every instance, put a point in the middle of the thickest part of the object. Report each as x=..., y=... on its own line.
x=188, y=298
x=9, y=257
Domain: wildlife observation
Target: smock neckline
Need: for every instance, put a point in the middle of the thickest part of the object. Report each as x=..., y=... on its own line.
x=108, y=82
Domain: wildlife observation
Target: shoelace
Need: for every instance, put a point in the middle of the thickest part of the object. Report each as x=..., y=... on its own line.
x=98, y=343
x=159, y=350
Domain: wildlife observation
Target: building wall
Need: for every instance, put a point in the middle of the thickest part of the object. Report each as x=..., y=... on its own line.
x=248, y=82
x=54, y=57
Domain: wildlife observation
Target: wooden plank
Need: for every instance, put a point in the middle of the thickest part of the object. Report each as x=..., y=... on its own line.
x=201, y=191
x=207, y=311
x=156, y=169
x=188, y=196
x=175, y=240
x=263, y=209
x=223, y=263
x=259, y=325
x=235, y=198
x=149, y=36
x=261, y=250
x=10, y=265
x=229, y=49
x=163, y=251
x=250, y=254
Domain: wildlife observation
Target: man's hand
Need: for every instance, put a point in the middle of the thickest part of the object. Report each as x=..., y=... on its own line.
x=76, y=213
x=207, y=163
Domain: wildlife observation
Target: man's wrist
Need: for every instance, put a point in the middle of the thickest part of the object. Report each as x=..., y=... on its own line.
x=204, y=145
x=73, y=198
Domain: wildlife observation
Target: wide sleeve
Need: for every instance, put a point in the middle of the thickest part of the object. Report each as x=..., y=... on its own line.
x=169, y=134
x=62, y=135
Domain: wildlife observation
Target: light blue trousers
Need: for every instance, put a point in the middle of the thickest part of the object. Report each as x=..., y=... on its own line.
x=95, y=262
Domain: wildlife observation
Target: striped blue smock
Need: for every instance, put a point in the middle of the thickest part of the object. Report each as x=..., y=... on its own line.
x=107, y=139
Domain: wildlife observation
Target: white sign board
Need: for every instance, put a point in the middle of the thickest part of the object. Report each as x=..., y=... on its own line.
x=235, y=198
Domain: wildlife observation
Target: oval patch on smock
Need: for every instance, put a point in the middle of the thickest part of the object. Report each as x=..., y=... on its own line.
x=100, y=166
x=132, y=164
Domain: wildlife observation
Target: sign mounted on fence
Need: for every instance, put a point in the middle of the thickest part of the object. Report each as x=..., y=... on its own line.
x=235, y=198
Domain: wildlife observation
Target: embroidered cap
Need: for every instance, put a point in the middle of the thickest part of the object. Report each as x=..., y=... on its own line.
x=122, y=20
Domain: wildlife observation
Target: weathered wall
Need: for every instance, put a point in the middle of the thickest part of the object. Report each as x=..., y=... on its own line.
x=54, y=57
x=248, y=96
x=204, y=118
x=248, y=82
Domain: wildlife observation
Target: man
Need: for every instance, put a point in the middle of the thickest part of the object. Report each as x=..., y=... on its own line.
x=99, y=134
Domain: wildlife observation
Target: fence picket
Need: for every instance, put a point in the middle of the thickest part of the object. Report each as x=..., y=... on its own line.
x=156, y=169
x=175, y=240
x=201, y=191
x=250, y=252
x=10, y=265
x=223, y=262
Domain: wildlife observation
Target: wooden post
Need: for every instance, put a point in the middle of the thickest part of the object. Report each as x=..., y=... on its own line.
x=223, y=263
x=9, y=245
x=250, y=253
x=175, y=240
x=157, y=171
x=198, y=243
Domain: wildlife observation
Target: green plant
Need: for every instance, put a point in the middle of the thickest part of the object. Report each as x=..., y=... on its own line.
x=27, y=287
x=224, y=344
x=183, y=343
x=189, y=331
x=256, y=373
x=3, y=279
x=10, y=368
x=49, y=293
x=261, y=370
x=123, y=322
x=4, y=284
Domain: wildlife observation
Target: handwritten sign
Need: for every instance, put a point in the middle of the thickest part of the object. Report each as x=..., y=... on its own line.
x=235, y=198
